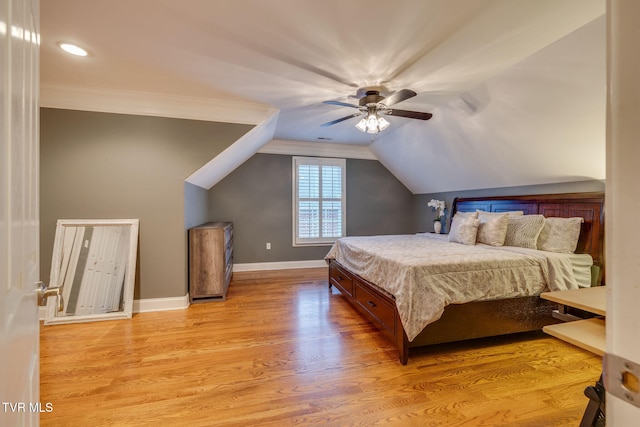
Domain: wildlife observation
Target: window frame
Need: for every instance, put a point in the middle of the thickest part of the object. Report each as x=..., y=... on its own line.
x=317, y=161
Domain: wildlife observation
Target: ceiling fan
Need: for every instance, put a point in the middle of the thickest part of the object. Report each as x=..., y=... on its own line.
x=373, y=105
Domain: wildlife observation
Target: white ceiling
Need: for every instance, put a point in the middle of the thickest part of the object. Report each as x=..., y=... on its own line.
x=517, y=87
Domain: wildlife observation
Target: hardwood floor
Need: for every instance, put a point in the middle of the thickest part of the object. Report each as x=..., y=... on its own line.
x=284, y=350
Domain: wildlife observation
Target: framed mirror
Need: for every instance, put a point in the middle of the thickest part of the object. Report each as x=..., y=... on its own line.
x=94, y=264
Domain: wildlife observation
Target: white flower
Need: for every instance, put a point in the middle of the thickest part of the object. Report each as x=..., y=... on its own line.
x=439, y=206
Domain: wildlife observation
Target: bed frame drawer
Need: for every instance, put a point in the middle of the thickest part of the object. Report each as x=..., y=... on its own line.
x=376, y=306
x=341, y=279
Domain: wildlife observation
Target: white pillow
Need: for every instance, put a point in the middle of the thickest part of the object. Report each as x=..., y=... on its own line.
x=493, y=228
x=560, y=235
x=523, y=231
x=464, y=228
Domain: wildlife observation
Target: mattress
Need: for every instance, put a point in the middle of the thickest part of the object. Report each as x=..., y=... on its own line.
x=426, y=272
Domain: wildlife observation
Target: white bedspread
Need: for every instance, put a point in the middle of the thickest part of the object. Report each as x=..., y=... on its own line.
x=426, y=272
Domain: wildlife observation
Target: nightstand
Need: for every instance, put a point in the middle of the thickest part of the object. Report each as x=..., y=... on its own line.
x=588, y=334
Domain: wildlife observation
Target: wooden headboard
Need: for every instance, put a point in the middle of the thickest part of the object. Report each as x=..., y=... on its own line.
x=589, y=206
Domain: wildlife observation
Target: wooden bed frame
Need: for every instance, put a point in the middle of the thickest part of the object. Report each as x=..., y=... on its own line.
x=483, y=318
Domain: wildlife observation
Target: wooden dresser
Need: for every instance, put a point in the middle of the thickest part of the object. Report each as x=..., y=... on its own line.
x=210, y=261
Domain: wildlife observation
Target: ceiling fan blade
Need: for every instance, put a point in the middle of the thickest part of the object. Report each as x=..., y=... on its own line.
x=409, y=114
x=333, y=122
x=341, y=104
x=399, y=96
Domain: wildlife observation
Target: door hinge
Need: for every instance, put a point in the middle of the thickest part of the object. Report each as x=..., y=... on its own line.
x=622, y=378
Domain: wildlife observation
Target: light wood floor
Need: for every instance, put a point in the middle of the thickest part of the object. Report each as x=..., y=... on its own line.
x=284, y=350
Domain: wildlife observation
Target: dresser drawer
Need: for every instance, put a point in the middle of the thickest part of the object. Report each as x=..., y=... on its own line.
x=378, y=308
x=341, y=279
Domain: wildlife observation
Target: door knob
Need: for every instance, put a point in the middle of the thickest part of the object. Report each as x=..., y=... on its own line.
x=44, y=292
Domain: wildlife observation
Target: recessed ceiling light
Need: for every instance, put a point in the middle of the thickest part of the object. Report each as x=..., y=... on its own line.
x=73, y=49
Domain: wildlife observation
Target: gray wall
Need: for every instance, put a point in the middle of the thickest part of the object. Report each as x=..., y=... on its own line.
x=196, y=207
x=257, y=198
x=425, y=214
x=98, y=165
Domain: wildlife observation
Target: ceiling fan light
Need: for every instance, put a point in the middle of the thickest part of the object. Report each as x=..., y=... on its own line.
x=372, y=123
x=382, y=123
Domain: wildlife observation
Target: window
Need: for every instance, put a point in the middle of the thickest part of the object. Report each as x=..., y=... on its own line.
x=319, y=200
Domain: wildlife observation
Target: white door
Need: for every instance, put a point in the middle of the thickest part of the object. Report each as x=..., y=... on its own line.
x=622, y=205
x=19, y=216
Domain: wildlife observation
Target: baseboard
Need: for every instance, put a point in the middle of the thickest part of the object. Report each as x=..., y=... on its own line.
x=160, y=304
x=282, y=265
x=145, y=305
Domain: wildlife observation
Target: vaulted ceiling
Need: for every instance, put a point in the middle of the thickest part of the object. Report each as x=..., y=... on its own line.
x=517, y=88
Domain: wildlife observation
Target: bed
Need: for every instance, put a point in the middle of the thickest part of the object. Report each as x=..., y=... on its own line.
x=390, y=289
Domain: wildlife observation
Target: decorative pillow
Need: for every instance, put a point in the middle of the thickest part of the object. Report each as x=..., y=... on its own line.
x=462, y=215
x=493, y=228
x=560, y=235
x=464, y=228
x=523, y=231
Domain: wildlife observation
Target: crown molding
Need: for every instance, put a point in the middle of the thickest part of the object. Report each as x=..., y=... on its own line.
x=319, y=149
x=151, y=104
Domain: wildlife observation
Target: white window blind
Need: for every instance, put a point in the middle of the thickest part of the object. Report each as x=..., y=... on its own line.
x=319, y=200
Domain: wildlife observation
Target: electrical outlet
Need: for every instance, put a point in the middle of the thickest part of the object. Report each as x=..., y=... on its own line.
x=269, y=246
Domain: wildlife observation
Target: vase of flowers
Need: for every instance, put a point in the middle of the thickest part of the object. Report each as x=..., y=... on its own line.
x=439, y=207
